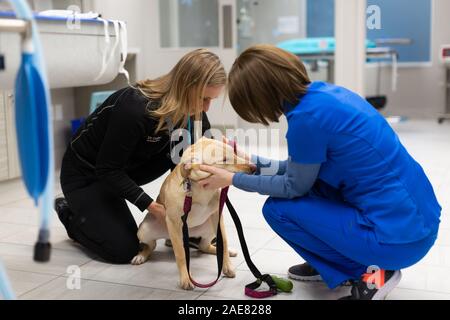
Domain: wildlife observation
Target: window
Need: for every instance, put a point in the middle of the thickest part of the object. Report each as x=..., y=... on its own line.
x=400, y=19
x=189, y=23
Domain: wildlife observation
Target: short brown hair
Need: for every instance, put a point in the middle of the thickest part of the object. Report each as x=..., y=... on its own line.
x=262, y=79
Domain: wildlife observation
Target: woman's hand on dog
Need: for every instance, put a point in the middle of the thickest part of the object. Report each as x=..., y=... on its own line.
x=158, y=211
x=220, y=178
x=239, y=152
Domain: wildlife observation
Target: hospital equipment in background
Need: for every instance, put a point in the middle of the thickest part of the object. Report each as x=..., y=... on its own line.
x=97, y=98
x=445, y=58
x=97, y=51
x=316, y=50
x=245, y=22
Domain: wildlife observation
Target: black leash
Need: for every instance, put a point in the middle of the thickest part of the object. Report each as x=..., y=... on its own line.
x=219, y=245
x=250, y=289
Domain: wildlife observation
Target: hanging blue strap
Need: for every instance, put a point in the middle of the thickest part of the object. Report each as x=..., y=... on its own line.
x=31, y=125
x=42, y=249
x=5, y=287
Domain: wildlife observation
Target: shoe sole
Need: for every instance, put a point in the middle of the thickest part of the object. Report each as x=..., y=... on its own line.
x=316, y=278
x=382, y=293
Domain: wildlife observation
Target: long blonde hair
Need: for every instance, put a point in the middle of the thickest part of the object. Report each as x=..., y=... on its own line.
x=181, y=91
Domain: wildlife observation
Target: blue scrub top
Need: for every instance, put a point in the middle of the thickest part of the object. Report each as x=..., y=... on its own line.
x=363, y=158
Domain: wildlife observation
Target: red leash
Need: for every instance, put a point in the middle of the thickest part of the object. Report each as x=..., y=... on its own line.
x=219, y=245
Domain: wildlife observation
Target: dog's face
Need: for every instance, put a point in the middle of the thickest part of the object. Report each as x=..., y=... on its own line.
x=214, y=153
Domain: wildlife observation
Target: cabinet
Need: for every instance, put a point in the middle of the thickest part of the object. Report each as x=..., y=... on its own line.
x=9, y=159
x=3, y=142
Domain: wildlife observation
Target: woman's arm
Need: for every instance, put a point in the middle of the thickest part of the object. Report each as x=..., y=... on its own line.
x=297, y=180
x=265, y=166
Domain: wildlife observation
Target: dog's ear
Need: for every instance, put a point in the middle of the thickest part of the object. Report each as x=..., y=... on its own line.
x=185, y=172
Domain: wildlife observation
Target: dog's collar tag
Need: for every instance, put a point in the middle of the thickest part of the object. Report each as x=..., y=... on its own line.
x=187, y=185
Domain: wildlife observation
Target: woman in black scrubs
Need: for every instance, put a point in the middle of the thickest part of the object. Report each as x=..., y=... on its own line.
x=126, y=143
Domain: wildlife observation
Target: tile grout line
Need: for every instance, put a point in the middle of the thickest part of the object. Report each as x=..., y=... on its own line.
x=423, y=290
x=10, y=202
x=129, y=285
x=54, y=277
x=41, y=285
x=6, y=204
x=32, y=245
x=43, y=273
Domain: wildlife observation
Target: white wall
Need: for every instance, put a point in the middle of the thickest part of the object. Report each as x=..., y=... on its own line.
x=142, y=19
x=135, y=14
x=63, y=113
x=350, y=54
x=130, y=11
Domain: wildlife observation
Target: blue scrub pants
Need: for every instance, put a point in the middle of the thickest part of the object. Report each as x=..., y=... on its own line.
x=324, y=231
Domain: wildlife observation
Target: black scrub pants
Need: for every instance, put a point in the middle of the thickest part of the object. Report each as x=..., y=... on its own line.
x=97, y=218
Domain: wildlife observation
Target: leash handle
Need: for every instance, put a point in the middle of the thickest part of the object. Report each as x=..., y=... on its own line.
x=250, y=289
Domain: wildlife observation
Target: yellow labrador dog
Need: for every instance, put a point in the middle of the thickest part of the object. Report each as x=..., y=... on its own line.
x=204, y=216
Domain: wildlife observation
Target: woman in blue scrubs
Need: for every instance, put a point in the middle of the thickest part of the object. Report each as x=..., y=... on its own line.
x=350, y=200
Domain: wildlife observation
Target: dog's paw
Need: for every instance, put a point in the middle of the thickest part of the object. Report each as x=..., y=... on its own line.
x=232, y=252
x=186, y=284
x=139, y=259
x=229, y=272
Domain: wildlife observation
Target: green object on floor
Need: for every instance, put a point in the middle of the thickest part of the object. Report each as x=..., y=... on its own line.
x=283, y=285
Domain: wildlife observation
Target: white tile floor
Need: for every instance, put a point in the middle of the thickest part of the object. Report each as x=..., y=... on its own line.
x=428, y=142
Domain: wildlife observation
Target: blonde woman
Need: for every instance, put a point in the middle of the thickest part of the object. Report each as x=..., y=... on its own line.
x=124, y=144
